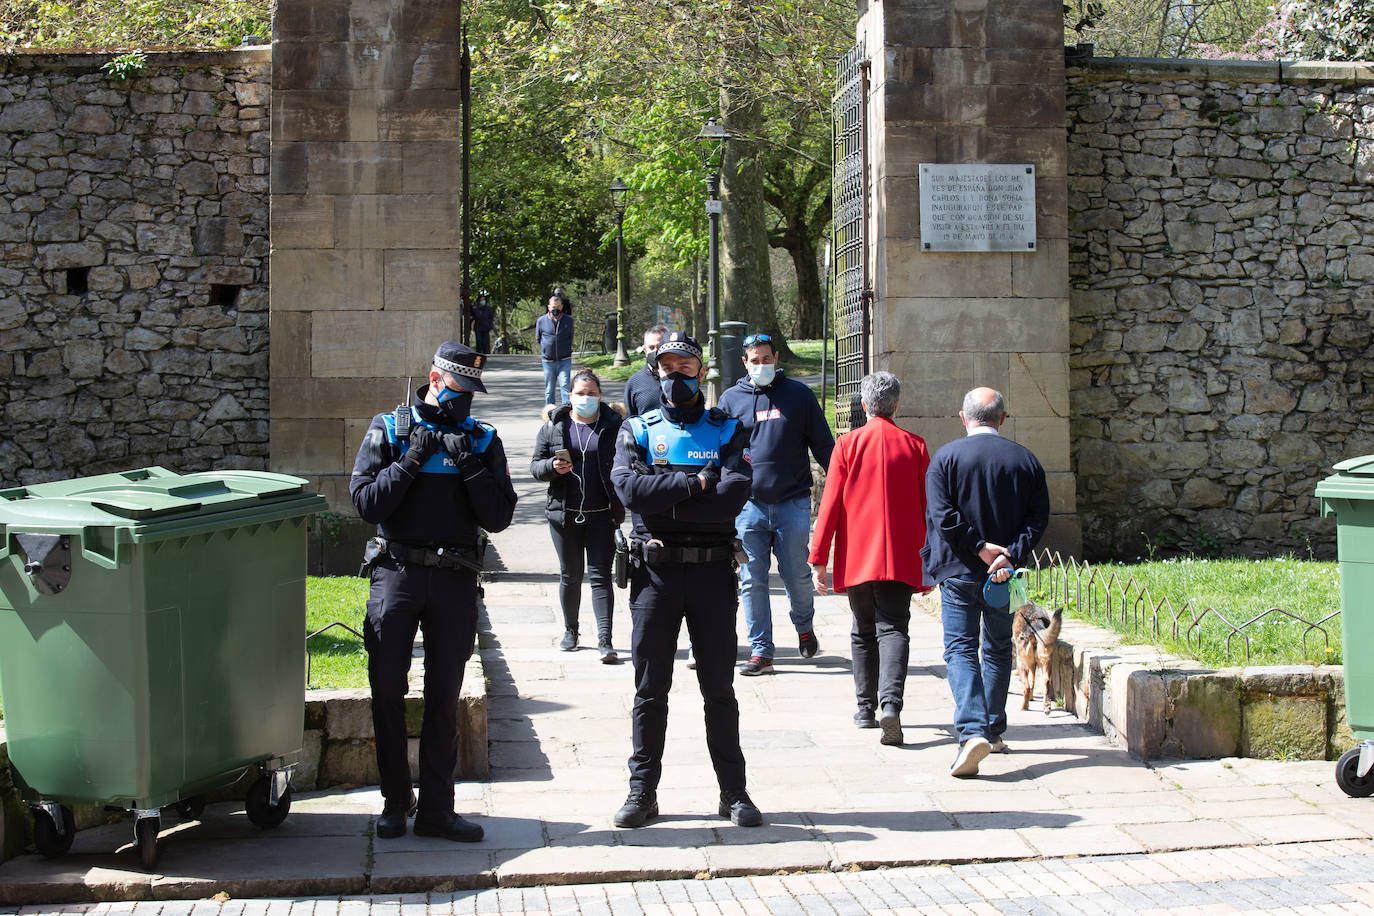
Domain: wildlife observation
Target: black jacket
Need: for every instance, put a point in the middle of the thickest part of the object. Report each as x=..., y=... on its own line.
x=553, y=435
x=642, y=392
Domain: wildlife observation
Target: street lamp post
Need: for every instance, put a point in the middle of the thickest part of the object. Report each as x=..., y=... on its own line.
x=619, y=192
x=712, y=139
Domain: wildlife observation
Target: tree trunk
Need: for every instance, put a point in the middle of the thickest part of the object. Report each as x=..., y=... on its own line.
x=746, y=280
x=697, y=308
x=810, y=299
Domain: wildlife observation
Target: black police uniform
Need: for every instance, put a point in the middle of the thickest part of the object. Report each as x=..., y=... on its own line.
x=428, y=514
x=682, y=534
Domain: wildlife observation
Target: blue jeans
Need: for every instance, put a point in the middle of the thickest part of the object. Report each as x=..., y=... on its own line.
x=980, y=689
x=783, y=529
x=556, y=373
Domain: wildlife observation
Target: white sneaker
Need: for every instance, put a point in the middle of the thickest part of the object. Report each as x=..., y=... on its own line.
x=998, y=747
x=971, y=753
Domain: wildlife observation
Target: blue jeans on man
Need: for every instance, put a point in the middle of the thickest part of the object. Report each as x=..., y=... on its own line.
x=556, y=375
x=979, y=687
x=782, y=529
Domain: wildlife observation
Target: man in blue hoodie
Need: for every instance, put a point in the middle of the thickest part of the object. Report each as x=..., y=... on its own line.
x=785, y=421
x=554, y=334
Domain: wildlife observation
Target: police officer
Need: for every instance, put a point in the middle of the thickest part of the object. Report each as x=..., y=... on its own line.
x=429, y=476
x=681, y=472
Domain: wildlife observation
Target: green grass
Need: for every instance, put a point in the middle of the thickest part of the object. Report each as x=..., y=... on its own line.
x=337, y=657
x=1239, y=590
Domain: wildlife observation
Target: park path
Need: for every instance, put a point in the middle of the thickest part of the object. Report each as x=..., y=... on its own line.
x=836, y=802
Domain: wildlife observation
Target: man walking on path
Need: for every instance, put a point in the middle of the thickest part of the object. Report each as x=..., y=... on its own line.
x=553, y=333
x=641, y=389
x=988, y=507
x=786, y=427
x=430, y=476
x=874, y=509
x=681, y=471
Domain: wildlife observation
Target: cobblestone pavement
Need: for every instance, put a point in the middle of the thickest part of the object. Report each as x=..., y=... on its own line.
x=1329, y=877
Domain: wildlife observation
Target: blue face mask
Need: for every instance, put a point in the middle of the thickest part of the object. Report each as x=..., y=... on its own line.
x=584, y=405
x=678, y=389
x=761, y=374
x=457, y=404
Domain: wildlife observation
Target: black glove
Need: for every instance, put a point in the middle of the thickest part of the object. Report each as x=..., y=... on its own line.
x=424, y=442
x=710, y=477
x=640, y=468
x=458, y=446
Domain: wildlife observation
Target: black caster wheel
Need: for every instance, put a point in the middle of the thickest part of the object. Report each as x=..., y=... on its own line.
x=52, y=839
x=261, y=811
x=1348, y=775
x=191, y=808
x=145, y=837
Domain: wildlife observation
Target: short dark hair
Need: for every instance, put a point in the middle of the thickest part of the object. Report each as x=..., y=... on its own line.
x=586, y=373
x=659, y=329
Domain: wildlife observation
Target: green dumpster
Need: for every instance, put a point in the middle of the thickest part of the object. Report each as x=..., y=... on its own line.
x=1349, y=495
x=152, y=630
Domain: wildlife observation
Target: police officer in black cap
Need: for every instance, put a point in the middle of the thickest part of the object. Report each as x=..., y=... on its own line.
x=430, y=476
x=680, y=470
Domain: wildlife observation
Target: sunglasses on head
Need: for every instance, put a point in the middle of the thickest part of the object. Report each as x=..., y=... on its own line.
x=753, y=339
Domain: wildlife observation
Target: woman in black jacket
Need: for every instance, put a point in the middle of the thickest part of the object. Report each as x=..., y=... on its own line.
x=582, y=507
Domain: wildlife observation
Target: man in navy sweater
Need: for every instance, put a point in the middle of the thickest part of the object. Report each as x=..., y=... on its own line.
x=785, y=421
x=642, y=393
x=986, y=507
x=554, y=334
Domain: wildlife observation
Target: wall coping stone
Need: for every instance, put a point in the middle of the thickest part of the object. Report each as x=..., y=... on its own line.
x=1241, y=71
x=94, y=60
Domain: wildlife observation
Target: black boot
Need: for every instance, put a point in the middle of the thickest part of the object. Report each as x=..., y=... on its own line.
x=735, y=804
x=639, y=808
x=392, y=823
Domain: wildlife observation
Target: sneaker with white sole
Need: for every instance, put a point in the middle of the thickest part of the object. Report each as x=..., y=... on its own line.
x=998, y=747
x=971, y=753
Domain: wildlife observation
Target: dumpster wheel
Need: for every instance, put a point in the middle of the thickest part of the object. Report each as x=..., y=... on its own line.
x=191, y=808
x=51, y=839
x=145, y=837
x=259, y=805
x=1348, y=775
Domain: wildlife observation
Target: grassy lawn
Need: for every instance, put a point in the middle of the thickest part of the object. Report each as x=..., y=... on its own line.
x=1239, y=590
x=337, y=657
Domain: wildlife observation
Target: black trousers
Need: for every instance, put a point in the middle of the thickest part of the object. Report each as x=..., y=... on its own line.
x=661, y=597
x=443, y=602
x=586, y=548
x=879, y=642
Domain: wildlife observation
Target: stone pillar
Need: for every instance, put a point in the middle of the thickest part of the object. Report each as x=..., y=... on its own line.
x=365, y=225
x=972, y=81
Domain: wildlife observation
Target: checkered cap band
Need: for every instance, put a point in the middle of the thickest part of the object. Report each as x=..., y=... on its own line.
x=678, y=342
x=456, y=368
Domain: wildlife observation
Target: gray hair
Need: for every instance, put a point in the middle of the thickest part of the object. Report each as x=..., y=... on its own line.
x=880, y=392
x=989, y=414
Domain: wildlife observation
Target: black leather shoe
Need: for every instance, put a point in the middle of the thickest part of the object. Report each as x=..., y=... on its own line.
x=608, y=656
x=392, y=823
x=450, y=827
x=739, y=809
x=569, y=641
x=864, y=718
x=638, y=810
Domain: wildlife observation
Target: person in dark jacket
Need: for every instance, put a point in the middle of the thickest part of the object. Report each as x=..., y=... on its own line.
x=987, y=504
x=583, y=508
x=483, y=320
x=641, y=389
x=785, y=422
x=553, y=333
x=430, y=477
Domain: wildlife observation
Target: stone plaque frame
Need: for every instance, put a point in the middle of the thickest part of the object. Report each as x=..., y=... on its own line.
x=977, y=206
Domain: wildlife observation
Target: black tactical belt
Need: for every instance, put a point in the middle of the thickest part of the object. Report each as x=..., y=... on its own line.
x=440, y=557
x=656, y=553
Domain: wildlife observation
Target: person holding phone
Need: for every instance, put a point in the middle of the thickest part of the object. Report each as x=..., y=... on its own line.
x=573, y=454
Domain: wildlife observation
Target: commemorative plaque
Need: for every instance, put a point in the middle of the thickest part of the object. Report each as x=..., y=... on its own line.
x=977, y=206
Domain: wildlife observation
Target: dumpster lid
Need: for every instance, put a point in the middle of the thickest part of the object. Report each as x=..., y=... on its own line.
x=1354, y=479
x=1362, y=466
x=152, y=493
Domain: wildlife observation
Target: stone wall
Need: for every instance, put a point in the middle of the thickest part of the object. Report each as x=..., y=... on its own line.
x=133, y=264
x=1221, y=225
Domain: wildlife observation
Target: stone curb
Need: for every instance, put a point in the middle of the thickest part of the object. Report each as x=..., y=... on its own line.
x=1247, y=71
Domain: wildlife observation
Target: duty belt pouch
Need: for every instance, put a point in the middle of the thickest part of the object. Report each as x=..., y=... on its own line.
x=622, y=560
x=737, y=548
x=371, y=554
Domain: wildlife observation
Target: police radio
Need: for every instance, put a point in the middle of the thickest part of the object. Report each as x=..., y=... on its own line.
x=402, y=416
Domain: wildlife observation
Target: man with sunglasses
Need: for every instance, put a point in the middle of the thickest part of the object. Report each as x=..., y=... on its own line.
x=785, y=423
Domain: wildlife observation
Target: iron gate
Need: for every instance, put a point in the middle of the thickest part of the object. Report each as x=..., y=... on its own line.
x=850, y=226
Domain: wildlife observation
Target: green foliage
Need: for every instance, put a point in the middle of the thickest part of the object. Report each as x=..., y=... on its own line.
x=1326, y=29
x=125, y=66
x=1164, y=28
x=145, y=24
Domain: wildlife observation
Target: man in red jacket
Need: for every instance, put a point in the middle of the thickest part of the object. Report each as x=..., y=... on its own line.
x=874, y=508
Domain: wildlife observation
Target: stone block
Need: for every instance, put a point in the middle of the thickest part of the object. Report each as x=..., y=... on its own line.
x=901, y=149
x=290, y=168
x=431, y=167
x=419, y=114
x=302, y=221
x=1014, y=66
x=348, y=763
x=343, y=398
x=219, y=235
x=1144, y=725
x=299, y=115
x=1284, y=727
x=320, y=21
x=1043, y=273
x=310, y=446
x=308, y=768
x=904, y=270
x=304, y=280
x=1047, y=437
x=920, y=25
x=1027, y=26
x=355, y=168
x=353, y=344
x=980, y=325
x=1207, y=715
x=398, y=221
x=1063, y=493
x=421, y=65
x=1064, y=533
x=421, y=280
x=934, y=384
x=1025, y=106
x=1037, y=385
x=290, y=344
x=1043, y=146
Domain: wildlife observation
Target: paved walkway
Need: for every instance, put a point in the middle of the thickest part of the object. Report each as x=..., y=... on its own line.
x=836, y=802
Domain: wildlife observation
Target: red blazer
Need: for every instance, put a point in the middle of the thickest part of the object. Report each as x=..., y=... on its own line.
x=874, y=506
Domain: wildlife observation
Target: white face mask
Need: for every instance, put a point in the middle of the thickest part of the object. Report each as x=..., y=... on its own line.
x=761, y=374
x=585, y=405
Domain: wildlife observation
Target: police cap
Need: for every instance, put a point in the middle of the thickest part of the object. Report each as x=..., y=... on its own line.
x=463, y=363
x=679, y=342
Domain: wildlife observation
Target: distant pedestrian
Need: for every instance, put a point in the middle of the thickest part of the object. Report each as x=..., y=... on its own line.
x=642, y=393
x=573, y=455
x=483, y=320
x=553, y=333
x=874, y=508
x=988, y=507
x=786, y=429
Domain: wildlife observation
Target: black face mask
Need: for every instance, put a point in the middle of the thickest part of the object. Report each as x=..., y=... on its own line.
x=678, y=389
x=457, y=405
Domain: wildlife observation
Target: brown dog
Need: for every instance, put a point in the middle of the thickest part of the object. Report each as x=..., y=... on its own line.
x=1034, y=633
